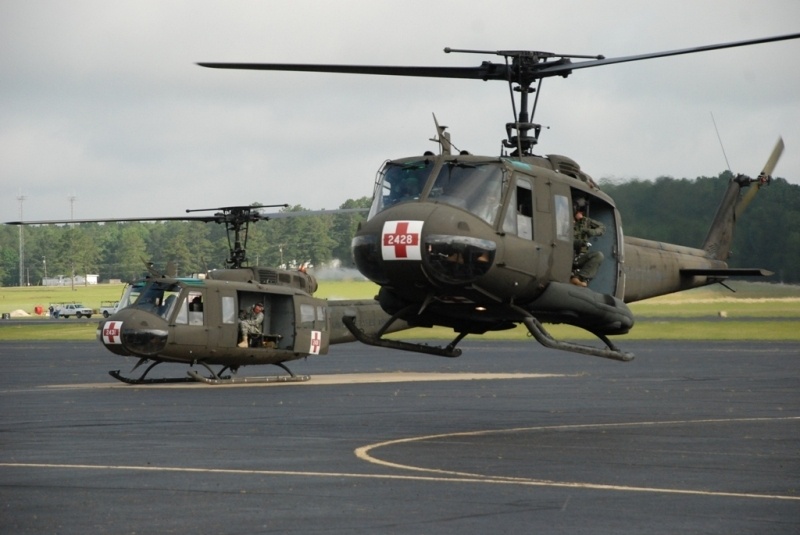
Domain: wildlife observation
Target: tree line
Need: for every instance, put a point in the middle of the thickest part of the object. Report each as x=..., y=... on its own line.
x=666, y=209
x=119, y=250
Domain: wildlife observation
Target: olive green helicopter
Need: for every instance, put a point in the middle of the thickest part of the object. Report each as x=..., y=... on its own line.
x=485, y=243
x=196, y=320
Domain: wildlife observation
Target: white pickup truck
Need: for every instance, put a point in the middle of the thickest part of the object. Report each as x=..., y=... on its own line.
x=65, y=310
x=108, y=308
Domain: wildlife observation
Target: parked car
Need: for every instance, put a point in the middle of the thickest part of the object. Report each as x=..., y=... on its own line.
x=72, y=309
x=107, y=308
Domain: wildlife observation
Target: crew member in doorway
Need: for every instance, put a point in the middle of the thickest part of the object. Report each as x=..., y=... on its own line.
x=586, y=262
x=251, y=324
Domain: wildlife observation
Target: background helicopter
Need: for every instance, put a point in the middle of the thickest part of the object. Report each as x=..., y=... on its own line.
x=195, y=321
x=482, y=243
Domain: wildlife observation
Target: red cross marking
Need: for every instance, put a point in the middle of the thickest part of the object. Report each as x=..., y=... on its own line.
x=401, y=239
x=316, y=341
x=110, y=331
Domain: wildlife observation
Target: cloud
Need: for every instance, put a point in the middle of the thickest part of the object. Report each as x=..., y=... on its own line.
x=104, y=100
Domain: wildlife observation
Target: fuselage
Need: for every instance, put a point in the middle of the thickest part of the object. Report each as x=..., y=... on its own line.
x=197, y=320
x=190, y=320
x=477, y=242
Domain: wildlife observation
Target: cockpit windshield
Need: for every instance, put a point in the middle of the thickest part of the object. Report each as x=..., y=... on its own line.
x=158, y=298
x=477, y=188
x=400, y=182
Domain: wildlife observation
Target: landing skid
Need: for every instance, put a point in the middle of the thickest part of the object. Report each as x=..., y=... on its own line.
x=450, y=351
x=228, y=380
x=194, y=376
x=534, y=326
x=141, y=380
x=546, y=339
x=214, y=379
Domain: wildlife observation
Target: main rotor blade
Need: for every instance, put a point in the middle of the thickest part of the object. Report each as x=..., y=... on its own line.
x=565, y=69
x=487, y=70
x=484, y=72
x=304, y=213
x=216, y=218
x=205, y=219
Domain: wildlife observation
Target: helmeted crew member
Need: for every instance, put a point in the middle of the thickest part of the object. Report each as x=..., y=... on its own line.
x=251, y=324
x=586, y=262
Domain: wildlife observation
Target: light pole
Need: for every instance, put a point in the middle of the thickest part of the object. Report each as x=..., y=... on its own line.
x=72, y=199
x=21, y=199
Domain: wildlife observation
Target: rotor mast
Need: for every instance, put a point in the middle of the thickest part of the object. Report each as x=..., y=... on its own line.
x=237, y=221
x=524, y=71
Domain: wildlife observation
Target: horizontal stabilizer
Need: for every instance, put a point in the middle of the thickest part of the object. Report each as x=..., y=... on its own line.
x=727, y=272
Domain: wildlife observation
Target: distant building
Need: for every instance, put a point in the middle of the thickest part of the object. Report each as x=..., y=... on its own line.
x=62, y=280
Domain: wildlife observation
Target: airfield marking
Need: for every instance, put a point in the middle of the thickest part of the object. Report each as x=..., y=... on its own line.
x=333, y=379
x=363, y=453
x=446, y=476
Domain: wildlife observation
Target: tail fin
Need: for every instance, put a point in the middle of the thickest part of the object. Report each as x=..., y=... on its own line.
x=720, y=235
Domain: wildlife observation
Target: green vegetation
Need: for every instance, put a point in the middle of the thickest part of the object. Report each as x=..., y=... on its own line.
x=70, y=330
x=347, y=289
x=115, y=250
x=28, y=297
x=670, y=210
x=750, y=300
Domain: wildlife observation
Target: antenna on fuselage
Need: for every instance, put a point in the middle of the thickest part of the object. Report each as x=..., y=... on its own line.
x=720, y=143
x=442, y=137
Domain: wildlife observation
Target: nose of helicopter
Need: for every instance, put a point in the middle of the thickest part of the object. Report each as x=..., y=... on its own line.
x=133, y=332
x=430, y=243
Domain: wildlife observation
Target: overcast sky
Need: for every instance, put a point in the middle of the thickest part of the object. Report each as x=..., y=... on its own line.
x=102, y=101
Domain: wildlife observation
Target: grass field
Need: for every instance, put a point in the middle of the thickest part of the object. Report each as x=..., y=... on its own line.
x=757, y=311
x=28, y=297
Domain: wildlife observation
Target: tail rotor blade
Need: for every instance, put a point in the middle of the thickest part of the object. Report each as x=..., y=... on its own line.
x=762, y=179
x=773, y=158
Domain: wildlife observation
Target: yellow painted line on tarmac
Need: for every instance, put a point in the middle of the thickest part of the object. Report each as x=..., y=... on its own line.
x=331, y=379
x=415, y=377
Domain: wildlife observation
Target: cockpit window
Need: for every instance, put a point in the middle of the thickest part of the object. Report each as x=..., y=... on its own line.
x=399, y=182
x=475, y=188
x=158, y=298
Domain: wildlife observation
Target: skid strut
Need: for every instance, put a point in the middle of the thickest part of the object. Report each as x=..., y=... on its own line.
x=546, y=339
x=141, y=380
x=450, y=351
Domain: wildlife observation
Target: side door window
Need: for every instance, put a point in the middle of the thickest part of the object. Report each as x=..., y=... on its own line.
x=563, y=218
x=524, y=204
x=191, y=310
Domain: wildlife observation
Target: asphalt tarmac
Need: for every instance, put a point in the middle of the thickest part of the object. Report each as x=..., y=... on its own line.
x=509, y=438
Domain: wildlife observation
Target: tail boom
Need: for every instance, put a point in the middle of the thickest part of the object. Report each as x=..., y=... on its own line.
x=655, y=268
